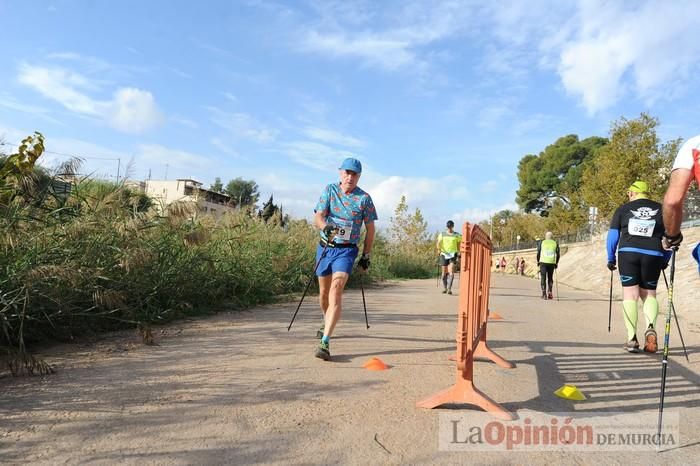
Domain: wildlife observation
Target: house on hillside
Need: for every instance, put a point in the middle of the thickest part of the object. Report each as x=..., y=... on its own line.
x=165, y=192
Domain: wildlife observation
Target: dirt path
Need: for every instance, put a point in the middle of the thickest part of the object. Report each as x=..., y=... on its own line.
x=238, y=388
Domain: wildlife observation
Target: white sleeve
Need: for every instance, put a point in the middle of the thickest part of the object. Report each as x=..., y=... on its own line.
x=684, y=159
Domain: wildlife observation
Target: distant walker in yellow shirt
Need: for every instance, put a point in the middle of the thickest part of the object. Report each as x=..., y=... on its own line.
x=448, y=248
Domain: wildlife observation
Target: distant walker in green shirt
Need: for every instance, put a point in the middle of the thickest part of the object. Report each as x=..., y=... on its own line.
x=448, y=249
x=548, y=260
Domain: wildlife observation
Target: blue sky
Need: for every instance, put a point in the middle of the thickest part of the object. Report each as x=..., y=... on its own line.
x=439, y=100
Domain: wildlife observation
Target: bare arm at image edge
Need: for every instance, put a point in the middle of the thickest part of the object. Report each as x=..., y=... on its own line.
x=674, y=198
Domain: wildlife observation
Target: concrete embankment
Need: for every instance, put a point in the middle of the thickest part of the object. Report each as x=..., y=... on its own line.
x=582, y=266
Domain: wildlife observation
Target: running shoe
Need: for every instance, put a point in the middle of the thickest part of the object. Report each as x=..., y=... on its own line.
x=323, y=351
x=550, y=295
x=544, y=295
x=632, y=346
x=444, y=291
x=650, y=342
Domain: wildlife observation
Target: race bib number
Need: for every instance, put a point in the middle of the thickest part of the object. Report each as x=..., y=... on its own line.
x=448, y=255
x=344, y=230
x=549, y=253
x=639, y=227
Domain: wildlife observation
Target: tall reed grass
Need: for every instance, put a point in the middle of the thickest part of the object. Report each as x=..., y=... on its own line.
x=102, y=258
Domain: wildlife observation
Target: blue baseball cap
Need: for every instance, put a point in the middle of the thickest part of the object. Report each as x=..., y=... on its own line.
x=696, y=255
x=352, y=165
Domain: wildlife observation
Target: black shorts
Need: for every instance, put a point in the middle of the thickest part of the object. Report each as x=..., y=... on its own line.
x=640, y=269
x=443, y=262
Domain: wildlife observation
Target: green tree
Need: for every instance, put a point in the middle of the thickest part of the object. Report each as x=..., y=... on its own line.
x=508, y=225
x=565, y=219
x=243, y=192
x=634, y=153
x=554, y=174
x=19, y=175
x=409, y=230
x=411, y=248
x=272, y=213
x=217, y=186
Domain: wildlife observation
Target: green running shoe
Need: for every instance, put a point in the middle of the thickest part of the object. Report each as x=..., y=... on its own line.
x=323, y=351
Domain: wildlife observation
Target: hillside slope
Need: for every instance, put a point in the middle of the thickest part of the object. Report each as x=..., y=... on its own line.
x=582, y=266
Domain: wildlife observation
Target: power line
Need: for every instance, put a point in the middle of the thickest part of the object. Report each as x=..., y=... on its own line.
x=66, y=155
x=117, y=159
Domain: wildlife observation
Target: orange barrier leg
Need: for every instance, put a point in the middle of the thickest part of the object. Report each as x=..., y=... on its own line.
x=464, y=392
x=482, y=350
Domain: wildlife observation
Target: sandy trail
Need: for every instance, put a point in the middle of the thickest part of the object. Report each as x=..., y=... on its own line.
x=238, y=388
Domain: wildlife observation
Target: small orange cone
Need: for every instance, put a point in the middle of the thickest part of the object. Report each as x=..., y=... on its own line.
x=375, y=364
x=495, y=316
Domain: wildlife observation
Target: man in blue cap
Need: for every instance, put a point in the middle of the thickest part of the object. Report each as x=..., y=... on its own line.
x=339, y=215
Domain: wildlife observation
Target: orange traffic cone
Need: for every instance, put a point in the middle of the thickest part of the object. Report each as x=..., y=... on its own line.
x=375, y=364
x=495, y=316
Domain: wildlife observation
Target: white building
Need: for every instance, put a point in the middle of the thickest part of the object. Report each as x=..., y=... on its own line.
x=165, y=192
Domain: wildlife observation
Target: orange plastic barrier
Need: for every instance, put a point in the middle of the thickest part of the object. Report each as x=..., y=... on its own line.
x=473, y=316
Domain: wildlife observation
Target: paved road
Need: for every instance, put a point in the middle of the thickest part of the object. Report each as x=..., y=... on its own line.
x=238, y=388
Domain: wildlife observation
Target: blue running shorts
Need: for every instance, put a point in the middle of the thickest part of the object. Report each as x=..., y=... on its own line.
x=335, y=260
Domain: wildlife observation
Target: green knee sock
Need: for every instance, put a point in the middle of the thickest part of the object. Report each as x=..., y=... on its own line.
x=629, y=309
x=651, y=310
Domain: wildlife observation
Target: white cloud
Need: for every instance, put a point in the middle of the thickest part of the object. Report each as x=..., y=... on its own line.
x=225, y=148
x=376, y=50
x=316, y=155
x=130, y=110
x=477, y=214
x=490, y=116
x=421, y=192
x=242, y=125
x=90, y=64
x=213, y=49
x=8, y=101
x=172, y=163
x=392, y=47
x=180, y=159
x=133, y=110
x=332, y=137
x=62, y=86
x=648, y=43
x=180, y=73
x=603, y=51
x=296, y=197
x=490, y=186
x=184, y=121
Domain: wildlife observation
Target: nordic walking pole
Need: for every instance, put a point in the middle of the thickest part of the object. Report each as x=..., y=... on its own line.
x=610, y=307
x=556, y=282
x=667, y=331
x=362, y=288
x=437, y=283
x=313, y=274
x=675, y=316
